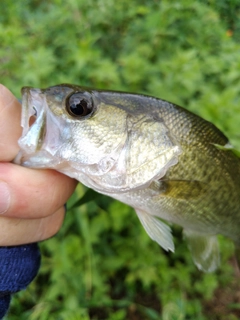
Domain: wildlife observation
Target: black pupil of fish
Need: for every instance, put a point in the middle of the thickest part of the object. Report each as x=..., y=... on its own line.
x=79, y=107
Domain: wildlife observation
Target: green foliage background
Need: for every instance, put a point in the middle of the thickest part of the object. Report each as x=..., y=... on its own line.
x=102, y=265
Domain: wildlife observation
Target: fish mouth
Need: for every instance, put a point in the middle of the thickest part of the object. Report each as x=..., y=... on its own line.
x=32, y=107
x=33, y=122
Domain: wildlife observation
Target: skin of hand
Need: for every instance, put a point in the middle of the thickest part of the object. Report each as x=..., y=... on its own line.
x=31, y=201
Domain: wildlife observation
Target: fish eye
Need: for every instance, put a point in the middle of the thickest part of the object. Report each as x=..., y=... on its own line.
x=79, y=105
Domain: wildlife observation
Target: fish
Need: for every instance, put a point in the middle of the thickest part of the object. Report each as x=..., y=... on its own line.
x=170, y=165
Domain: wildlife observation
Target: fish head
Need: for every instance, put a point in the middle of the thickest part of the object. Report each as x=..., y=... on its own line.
x=109, y=141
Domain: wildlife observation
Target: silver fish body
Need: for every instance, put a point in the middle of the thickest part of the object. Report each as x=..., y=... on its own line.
x=157, y=157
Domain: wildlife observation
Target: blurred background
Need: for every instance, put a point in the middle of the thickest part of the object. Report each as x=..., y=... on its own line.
x=102, y=265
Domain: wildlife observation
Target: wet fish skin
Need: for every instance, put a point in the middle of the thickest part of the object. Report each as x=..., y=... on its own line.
x=159, y=158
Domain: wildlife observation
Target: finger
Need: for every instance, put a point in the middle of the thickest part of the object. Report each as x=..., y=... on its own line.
x=15, y=231
x=10, y=128
x=32, y=190
x=39, y=188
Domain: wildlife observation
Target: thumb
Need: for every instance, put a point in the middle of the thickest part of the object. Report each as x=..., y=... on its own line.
x=10, y=128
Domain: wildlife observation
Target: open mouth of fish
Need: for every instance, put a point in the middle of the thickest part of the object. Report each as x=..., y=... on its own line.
x=33, y=122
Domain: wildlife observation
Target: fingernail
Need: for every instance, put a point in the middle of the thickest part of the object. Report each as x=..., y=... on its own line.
x=4, y=197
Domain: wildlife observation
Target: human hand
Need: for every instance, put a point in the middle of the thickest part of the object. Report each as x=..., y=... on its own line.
x=32, y=208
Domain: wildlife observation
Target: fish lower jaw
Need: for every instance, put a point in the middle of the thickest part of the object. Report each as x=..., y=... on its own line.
x=38, y=160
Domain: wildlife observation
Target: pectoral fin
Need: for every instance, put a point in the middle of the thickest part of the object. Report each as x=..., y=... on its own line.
x=204, y=249
x=183, y=189
x=157, y=230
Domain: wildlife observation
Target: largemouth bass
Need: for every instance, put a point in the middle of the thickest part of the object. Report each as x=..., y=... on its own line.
x=164, y=161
